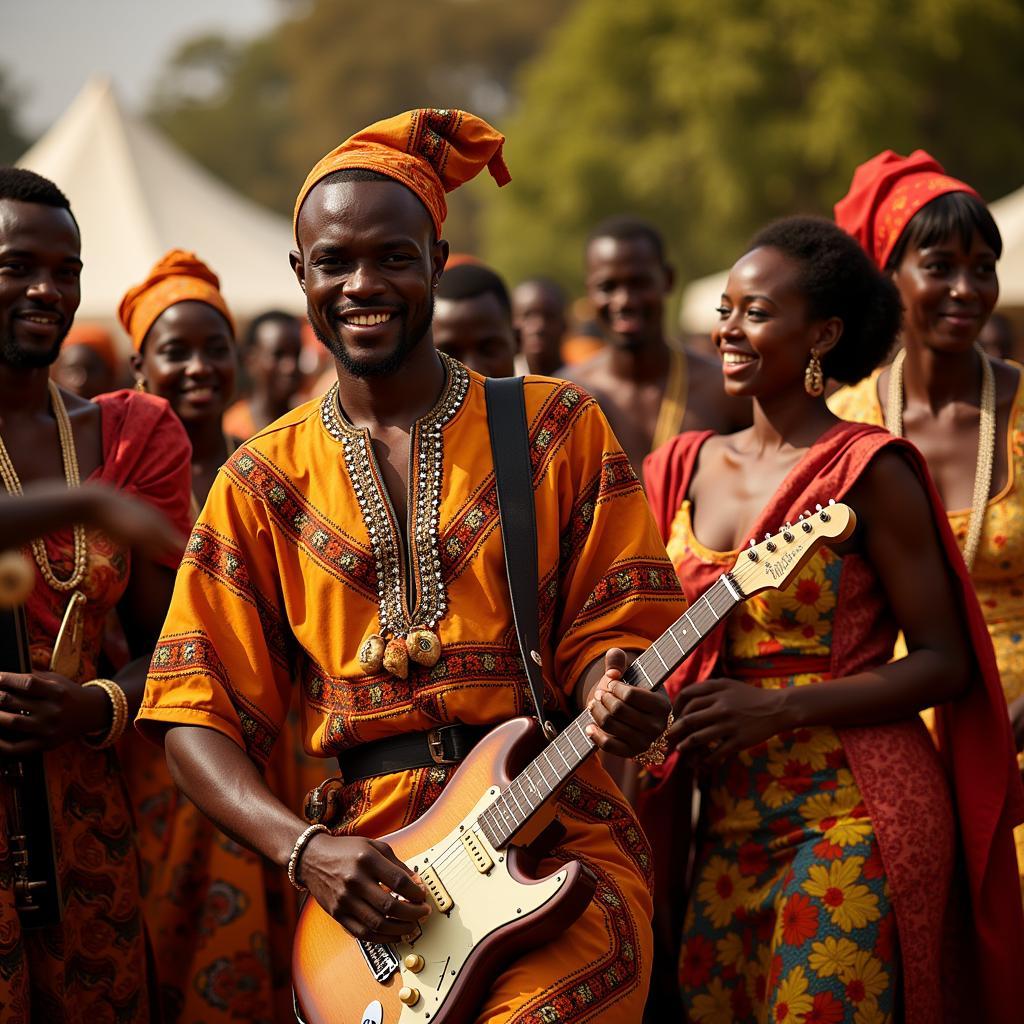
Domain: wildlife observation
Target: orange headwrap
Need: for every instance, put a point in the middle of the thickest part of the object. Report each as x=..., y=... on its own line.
x=429, y=151
x=885, y=193
x=98, y=339
x=178, y=277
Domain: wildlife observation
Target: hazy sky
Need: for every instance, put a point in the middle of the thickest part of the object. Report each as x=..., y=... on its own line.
x=50, y=47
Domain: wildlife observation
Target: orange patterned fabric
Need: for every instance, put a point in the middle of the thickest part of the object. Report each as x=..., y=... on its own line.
x=178, y=276
x=91, y=968
x=280, y=588
x=429, y=151
x=885, y=193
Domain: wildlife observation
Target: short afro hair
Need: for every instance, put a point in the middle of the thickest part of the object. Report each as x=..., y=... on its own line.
x=468, y=280
x=954, y=214
x=630, y=229
x=838, y=279
x=24, y=186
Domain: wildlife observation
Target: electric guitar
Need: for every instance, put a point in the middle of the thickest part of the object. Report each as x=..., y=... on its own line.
x=488, y=906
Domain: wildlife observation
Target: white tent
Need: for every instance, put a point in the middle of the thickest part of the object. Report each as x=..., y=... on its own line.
x=697, y=312
x=136, y=196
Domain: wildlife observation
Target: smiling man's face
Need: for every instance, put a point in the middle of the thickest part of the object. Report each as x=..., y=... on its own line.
x=40, y=270
x=368, y=263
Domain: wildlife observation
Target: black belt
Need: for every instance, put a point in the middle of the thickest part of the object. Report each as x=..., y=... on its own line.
x=448, y=744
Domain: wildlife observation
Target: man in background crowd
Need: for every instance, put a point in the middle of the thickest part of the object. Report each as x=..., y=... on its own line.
x=270, y=356
x=473, y=320
x=538, y=316
x=648, y=390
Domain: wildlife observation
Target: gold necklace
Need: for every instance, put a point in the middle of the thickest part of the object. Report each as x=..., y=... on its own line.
x=70, y=459
x=986, y=441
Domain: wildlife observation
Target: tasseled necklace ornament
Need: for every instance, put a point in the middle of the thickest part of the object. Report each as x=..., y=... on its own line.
x=420, y=645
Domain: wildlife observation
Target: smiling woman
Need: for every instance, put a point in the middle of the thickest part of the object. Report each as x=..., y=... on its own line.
x=965, y=410
x=827, y=811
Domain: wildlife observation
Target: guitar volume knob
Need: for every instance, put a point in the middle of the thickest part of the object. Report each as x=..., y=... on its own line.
x=414, y=963
x=408, y=996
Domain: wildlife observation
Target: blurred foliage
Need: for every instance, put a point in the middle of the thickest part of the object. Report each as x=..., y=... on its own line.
x=260, y=114
x=12, y=141
x=709, y=119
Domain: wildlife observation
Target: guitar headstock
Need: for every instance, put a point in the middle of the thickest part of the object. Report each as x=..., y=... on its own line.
x=774, y=562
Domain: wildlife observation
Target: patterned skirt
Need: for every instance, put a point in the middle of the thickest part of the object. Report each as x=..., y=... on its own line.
x=790, y=918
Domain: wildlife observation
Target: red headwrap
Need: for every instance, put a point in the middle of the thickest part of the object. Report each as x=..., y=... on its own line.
x=431, y=152
x=178, y=277
x=885, y=193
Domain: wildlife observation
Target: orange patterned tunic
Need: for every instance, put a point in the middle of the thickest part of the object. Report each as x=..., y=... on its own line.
x=279, y=587
x=999, y=565
x=91, y=968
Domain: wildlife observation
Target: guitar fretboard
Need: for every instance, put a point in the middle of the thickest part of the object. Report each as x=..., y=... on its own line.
x=566, y=752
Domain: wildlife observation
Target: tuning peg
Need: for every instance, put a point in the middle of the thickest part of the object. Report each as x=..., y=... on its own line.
x=806, y=515
x=769, y=543
x=751, y=553
x=817, y=508
x=787, y=533
x=831, y=501
x=805, y=525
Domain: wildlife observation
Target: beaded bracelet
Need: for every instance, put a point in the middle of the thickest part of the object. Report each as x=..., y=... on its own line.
x=119, y=720
x=300, y=845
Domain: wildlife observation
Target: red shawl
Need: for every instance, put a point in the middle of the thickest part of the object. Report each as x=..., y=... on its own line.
x=975, y=744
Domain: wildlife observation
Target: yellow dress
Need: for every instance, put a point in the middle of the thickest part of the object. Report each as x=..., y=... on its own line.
x=999, y=565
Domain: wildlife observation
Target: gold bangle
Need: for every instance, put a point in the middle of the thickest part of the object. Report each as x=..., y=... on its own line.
x=119, y=720
x=300, y=845
x=656, y=753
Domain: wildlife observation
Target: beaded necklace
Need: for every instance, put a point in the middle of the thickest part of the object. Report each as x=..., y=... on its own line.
x=986, y=441
x=406, y=633
x=70, y=459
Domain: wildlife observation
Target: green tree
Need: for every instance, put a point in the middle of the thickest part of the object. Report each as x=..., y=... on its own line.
x=710, y=119
x=260, y=114
x=12, y=140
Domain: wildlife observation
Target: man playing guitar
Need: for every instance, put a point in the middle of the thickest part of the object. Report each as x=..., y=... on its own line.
x=352, y=548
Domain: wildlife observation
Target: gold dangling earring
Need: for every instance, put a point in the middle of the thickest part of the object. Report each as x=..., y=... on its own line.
x=140, y=385
x=814, y=379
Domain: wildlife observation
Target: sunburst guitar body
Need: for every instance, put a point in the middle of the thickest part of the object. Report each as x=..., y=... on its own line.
x=468, y=848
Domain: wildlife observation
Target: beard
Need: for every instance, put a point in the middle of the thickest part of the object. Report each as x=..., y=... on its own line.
x=412, y=334
x=20, y=358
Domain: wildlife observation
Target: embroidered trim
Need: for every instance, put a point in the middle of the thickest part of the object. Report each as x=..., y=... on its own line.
x=425, y=485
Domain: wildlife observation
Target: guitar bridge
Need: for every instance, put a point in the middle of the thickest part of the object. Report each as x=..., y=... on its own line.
x=381, y=959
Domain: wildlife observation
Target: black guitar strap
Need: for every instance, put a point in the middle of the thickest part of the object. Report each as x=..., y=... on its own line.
x=513, y=474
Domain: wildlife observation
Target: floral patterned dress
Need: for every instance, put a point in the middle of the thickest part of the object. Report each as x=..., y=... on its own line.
x=790, y=919
x=998, y=572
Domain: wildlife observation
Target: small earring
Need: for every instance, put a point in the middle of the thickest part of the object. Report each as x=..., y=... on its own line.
x=814, y=379
x=140, y=384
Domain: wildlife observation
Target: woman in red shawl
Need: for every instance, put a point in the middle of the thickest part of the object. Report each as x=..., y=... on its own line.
x=90, y=968
x=827, y=859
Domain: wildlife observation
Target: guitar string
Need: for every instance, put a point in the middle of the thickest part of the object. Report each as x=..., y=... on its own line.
x=741, y=574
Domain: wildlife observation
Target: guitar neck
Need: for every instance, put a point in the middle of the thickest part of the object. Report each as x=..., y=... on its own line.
x=566, y=752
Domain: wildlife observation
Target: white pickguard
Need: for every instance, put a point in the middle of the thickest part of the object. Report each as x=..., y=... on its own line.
x=482, y=904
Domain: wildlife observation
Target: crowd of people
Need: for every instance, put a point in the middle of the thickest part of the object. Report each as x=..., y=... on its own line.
x=267, y=610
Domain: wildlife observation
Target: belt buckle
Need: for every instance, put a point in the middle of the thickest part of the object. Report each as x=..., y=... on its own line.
x=436, y=748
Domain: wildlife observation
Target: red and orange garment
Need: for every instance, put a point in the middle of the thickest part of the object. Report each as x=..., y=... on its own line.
x=948, y=961
x=92, y=966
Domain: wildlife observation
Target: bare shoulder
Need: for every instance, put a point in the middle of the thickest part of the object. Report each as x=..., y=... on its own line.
x=590, y=373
